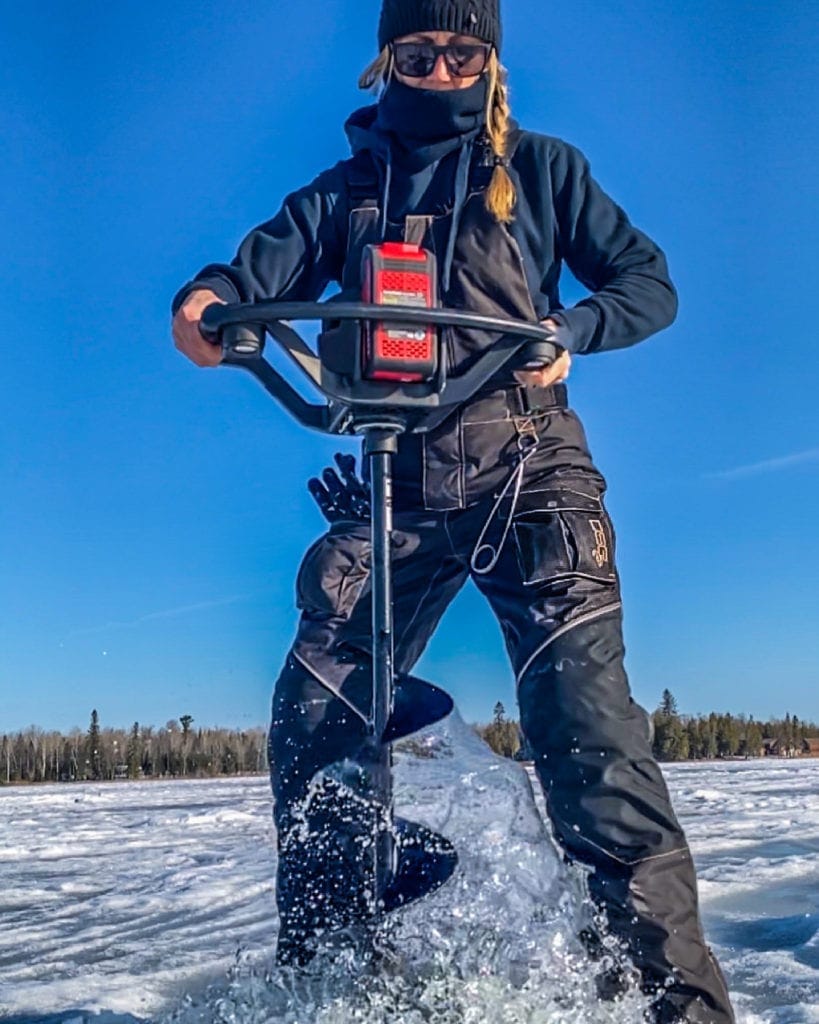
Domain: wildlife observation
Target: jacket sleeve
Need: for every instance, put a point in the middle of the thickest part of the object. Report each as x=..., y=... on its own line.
x=632, y=294
x=292, y=257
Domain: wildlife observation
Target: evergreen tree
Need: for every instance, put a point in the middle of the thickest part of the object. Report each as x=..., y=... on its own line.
x=696, y=746
x=6, y=757
x=134, y=753
x=728, y=736
x=753, y=739
x=668, y=704
x=670, y=738
x=185, y=721
x=711, y=747
x=92, y=748
x=502, y=735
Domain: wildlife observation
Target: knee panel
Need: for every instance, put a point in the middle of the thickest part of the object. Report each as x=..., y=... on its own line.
x=310, y=729
x=590, y=741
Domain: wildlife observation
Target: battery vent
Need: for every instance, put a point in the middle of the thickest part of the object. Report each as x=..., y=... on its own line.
x=397, y=348
x=400, y=288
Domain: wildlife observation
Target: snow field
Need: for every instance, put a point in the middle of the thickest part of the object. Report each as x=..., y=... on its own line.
x=154, y=901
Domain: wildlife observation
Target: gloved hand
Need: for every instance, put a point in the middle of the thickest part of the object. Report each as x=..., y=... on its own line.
x=341, y=497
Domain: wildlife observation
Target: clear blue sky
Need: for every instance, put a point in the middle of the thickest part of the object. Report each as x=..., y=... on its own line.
x=154, y=515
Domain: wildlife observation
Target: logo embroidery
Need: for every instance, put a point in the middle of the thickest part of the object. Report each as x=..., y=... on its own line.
x=601, y=549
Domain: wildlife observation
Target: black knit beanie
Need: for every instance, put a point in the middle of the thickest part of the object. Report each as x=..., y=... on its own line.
x=479, y=18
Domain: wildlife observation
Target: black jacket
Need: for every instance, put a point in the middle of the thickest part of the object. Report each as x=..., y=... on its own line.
x=562, y=214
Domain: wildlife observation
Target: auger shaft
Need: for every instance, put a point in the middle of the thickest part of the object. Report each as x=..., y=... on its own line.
x=380, y=443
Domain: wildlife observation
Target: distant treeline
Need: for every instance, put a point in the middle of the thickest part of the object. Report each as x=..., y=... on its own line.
x=689, y=737
x=177, y=750
x=143, y=752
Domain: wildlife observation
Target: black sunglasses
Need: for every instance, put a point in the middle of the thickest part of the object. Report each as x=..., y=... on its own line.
x=418, y=60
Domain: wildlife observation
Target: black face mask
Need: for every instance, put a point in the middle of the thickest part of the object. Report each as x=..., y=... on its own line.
x=424, y=126
x=421, y=118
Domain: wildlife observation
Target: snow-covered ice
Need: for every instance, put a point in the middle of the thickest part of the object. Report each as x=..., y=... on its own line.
x=153, y=901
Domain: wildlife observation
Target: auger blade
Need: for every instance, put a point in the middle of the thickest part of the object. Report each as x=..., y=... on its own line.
x=426, y=860
x=326, y=865
x=416, y=704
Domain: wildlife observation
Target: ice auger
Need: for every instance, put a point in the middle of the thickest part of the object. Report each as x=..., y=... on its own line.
x=380, y=369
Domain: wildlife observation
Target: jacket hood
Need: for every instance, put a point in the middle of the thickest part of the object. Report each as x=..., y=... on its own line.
x=364, y=134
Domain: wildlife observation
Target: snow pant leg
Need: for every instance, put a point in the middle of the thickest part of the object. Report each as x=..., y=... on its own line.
x=319, y=877
x=610, y=809
x=321, y=705
x=556, y=594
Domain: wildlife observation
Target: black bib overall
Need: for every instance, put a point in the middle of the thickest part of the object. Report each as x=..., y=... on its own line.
x=504, y=492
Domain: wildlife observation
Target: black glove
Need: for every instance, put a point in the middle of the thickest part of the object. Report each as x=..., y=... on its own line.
x=341, y=497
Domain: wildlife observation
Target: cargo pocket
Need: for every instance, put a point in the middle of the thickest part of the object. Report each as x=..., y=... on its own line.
x=333, y=575
x=563, y=534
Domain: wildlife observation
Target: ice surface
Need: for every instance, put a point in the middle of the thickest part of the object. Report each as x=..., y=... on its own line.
x=124, y=903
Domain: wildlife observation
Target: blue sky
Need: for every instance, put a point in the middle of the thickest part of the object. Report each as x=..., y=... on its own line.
x=154, y=515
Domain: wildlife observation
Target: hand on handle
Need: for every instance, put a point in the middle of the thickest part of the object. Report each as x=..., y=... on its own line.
x=554, y=373
x=185, y=328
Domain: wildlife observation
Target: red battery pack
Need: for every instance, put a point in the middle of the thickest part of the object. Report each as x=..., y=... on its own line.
x=398, y=274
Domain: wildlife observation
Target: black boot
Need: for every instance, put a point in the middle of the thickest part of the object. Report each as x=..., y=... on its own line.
x=652, y=907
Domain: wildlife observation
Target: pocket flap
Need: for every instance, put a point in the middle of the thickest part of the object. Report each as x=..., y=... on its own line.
x=564, y=534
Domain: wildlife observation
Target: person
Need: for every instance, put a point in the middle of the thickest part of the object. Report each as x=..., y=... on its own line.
x=504, y=491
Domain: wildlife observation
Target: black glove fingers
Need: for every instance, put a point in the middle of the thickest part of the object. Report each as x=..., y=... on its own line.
x=341, y=497
x=346, y=465
x=323, y=499
x=358, y=490
x=338, y=492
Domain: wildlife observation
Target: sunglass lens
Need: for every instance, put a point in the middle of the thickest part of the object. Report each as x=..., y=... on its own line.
x=414, y=59
x=466, y=60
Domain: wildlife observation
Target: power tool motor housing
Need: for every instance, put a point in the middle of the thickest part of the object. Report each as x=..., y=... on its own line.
x=399, y=274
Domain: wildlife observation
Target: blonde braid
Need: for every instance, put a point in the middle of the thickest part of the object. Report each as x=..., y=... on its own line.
x=500, y=196
x=377, y=74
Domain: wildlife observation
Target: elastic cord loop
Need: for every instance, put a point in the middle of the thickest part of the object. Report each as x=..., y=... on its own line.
x=481, y=548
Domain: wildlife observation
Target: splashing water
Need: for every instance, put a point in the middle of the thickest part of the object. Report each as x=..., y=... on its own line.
x=498, y=943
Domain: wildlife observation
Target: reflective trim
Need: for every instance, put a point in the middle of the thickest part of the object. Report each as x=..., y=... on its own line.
x=579, y=621
x=336, y=691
